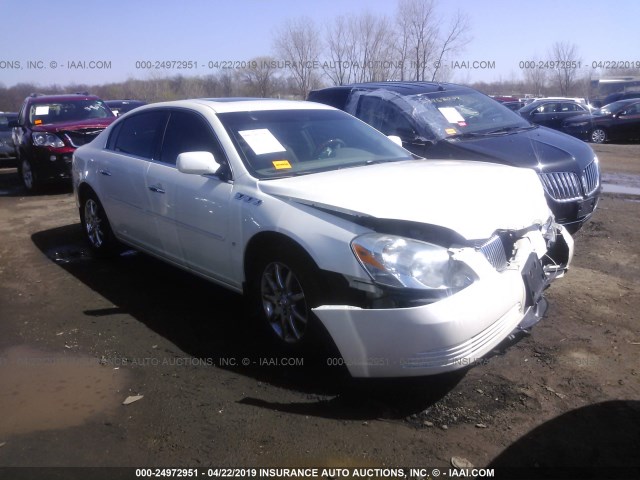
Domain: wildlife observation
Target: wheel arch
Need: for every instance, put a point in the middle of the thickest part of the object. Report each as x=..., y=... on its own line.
x=334, y=284
x=85, y=189
x=270, y=239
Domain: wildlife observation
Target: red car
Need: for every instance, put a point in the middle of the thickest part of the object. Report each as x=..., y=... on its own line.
x=49, y=129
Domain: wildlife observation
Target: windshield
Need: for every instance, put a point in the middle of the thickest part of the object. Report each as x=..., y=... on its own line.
x=67, y=111
x=281, y=143
x=450, y=114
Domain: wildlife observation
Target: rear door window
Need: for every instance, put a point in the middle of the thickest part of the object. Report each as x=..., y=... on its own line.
x=140, y=134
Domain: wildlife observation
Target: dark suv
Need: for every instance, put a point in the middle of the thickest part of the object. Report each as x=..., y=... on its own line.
x=449, y=121
x=50, y=128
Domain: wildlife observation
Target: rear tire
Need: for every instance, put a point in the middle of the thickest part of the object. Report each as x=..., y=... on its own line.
x=96, y=228
x=598, y=135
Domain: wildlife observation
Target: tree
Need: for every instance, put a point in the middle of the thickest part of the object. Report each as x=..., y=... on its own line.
x=360, y=49
x=258, y=76
x=564, y=56
x=298, y=44
x=455, y=38
x=340, y=45
x=422, y=44
x=535, y=78
x=418, y=19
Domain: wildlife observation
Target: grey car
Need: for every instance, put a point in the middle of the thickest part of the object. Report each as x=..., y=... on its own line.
x=8, y=156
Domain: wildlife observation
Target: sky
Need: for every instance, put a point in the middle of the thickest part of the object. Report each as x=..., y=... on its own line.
x=92, y=42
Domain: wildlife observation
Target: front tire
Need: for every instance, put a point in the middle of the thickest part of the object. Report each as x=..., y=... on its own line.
x=598, y=135
x=28, y=176
x=95, y=226
x=284, y=286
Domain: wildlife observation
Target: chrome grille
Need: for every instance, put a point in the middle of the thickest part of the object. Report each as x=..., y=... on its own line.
x=82, y=137
x=590, y=178
x=562, y=186
x=493, y=250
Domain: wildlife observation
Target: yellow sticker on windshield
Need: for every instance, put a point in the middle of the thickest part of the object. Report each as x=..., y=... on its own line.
x=450, y=131
x=281, y=164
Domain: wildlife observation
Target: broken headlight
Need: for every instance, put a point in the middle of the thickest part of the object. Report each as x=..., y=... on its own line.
x=400, y=262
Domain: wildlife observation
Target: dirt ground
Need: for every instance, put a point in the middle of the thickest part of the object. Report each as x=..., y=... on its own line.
x=79, y=335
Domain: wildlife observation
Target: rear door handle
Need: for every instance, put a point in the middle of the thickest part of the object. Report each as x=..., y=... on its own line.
x=156, y=189
x=106, y=173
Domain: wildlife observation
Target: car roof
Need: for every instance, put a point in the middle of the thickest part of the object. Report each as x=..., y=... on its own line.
x=407, y=88
x=624, y=101
x=124, y=101
x=560, y=99
x=60, y=98
x=628, y=100
x=224, y=105
x=556, y=100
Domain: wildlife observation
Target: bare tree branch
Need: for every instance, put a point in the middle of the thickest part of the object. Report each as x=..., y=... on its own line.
x=259, y=75
x=298, y=43
x=564, y=55
x=455, y=39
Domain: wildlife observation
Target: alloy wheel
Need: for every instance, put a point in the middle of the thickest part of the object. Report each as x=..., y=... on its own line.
x=93, y=223
x=284, y=302
x=598, y=135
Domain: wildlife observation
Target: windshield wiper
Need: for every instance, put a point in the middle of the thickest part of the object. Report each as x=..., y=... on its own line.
x=465, y=135
x=502, y=130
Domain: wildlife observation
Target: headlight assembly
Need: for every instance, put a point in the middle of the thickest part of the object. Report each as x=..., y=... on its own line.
x=47, y=140
x=400, y=262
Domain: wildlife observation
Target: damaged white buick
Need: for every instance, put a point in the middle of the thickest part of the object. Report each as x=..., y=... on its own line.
x=333, y=231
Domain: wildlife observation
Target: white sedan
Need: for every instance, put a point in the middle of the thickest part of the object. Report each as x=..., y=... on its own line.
x=411, y=266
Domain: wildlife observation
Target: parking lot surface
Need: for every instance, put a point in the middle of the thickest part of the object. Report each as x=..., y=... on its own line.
x=79, y=335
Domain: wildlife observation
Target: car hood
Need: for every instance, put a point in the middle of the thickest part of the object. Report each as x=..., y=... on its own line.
x=541, y=148
x=473, y=199
x=97, y=123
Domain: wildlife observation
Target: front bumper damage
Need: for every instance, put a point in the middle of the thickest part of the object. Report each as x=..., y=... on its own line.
x=457, y=331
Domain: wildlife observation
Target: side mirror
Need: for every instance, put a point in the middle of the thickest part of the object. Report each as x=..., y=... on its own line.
x=197, y=163
x=395, y=139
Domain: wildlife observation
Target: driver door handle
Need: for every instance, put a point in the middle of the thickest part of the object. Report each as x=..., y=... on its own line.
x=157, y=188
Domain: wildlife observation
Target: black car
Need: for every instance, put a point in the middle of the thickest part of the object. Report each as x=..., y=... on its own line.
x=551, y=113
x=617, y=121
x=120, y=107
x=49, y=129
x=7, y=147
x=515, y=106
x=614, y=97
x=449, y=121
